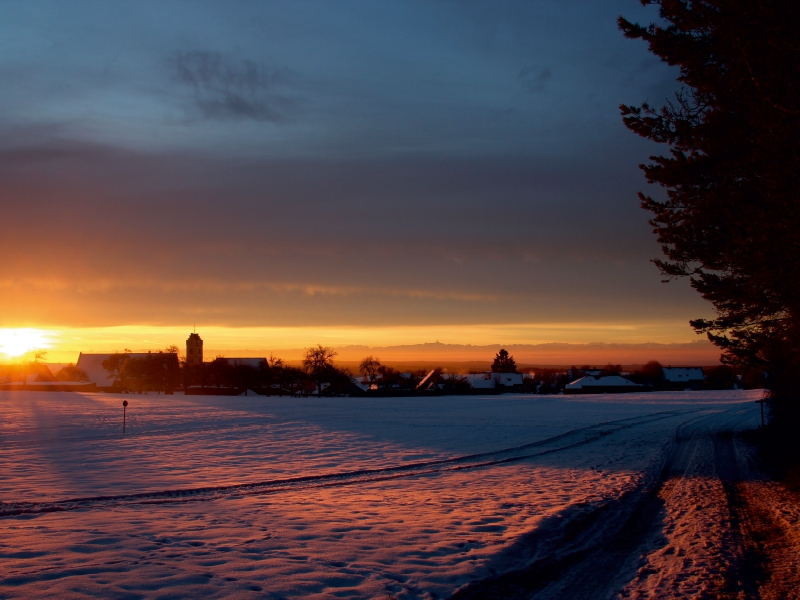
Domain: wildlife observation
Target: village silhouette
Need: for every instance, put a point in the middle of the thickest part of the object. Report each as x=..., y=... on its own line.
x=168, y=371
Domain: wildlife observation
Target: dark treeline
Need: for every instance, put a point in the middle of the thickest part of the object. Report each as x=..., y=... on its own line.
x=650, y=375
x=164, y=372
x=268, y=377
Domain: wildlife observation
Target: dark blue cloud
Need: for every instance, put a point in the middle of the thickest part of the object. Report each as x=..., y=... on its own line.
x=228, y=88
x=534, y=78
x=356, y=78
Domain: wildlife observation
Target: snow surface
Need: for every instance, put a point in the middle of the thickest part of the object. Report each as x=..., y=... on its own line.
x=284, y=497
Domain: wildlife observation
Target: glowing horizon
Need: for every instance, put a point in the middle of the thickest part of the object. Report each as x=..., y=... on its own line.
x=63, y=344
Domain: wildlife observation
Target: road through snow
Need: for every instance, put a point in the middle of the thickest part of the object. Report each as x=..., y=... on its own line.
x=708, y=525
x=510, y=496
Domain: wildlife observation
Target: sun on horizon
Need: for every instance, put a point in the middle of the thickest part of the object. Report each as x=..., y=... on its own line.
x=17, y=342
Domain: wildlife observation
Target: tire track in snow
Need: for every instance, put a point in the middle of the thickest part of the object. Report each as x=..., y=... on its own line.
x=589, y=555
x=562, y=442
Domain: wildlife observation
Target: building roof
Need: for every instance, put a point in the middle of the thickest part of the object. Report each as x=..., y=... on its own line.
x=364, y=387
x=427, y=380
x=480, y=381
x=507, y=378
x=609, y=381
x=36, y=373
x=488, y=379
x=683, y=374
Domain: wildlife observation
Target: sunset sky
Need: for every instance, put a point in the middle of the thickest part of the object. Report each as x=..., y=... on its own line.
x=288, y=173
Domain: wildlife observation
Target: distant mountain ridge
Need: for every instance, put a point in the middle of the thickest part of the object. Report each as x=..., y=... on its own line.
x=698, y=353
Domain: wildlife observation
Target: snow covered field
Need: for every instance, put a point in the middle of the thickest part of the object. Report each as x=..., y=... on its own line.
x=343, y=497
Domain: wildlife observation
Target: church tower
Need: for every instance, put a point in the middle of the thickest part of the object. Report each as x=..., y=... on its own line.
x=194, y=350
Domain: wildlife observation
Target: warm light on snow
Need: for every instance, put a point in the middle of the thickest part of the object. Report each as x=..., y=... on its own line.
x=220, y=497
x=16, y=342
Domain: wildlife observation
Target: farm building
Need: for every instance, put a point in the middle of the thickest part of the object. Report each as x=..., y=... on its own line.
x=612, y=384
x=681, y=378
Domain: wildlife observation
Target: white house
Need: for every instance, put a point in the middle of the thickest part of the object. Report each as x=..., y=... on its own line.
x=489, y=380
x=480, y=381
x=92, y=365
